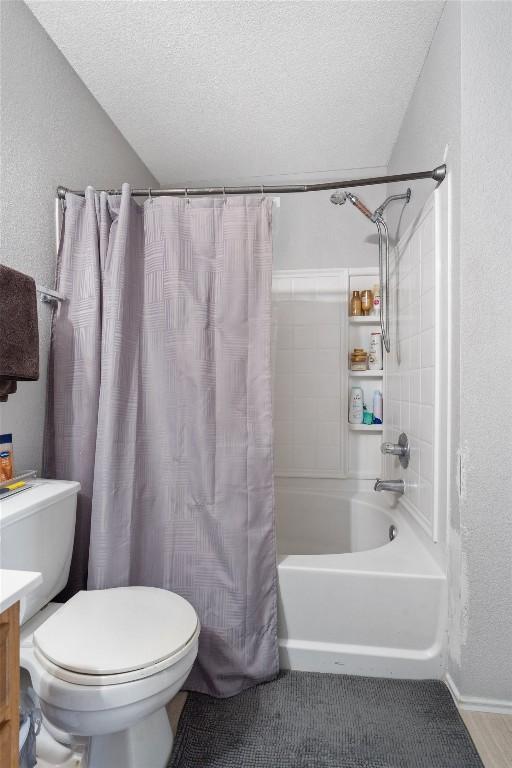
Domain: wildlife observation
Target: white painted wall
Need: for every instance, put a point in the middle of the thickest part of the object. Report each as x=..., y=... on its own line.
x=53, y=132
x=484, y=668
x=463, y=100
x=312, y=233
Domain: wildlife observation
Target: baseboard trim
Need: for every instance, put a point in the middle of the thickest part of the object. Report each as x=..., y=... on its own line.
x=497, y=706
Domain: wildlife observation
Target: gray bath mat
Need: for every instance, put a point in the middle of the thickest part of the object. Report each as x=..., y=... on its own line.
x=310, y=720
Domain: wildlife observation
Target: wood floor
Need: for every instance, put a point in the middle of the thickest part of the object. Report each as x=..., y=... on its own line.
x=492, y=734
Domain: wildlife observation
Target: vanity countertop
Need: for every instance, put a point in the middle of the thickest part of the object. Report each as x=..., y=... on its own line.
x=15, y=584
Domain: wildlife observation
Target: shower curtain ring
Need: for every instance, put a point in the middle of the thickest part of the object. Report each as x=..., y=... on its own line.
x=262, y=193
x=186, y=196
x=149, y=195
x=224, y=194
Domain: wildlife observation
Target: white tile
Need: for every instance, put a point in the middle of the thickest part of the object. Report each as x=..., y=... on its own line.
x=303, y=288
x=415, y=352
x=415, y=420
x=327, y=361
x=427, y=386
x=405, y=422
x=329, y=336
x=328, y=457
x=328, y=312
x=283, y=432
x=282, y=457
x=415, y=457
x=427, y=348
x=304, y=337
x=427, y=271
x=304, y=361
x=328, y=433
x=329, y=409
x=285, y=337
x=305, y=408
x=427, y=460
x=304, y=385
x=283, y=386
x=427, y=235
x=283, y=312
x=415, y=387
x=282, y=408
x=426, y=500
x=327, y=385
x=304, y=457
x=411, y=487
x=305, y=432
x=284, y=362
x=427, y=423
x=281, y=287
x=427, y=310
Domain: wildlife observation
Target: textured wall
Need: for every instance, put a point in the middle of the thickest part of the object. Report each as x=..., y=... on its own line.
x=486, y=359
x=53, y=132
x=314, y=234
x=463, y=101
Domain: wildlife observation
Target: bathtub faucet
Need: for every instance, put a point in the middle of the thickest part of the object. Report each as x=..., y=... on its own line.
x=397, y=486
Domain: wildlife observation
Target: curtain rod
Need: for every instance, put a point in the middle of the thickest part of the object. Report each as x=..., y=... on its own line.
x=438, y=174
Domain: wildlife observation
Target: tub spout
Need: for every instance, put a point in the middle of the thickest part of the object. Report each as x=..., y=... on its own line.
x=396, y=486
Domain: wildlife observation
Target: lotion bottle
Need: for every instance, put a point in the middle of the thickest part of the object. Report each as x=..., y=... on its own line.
x=355, y=413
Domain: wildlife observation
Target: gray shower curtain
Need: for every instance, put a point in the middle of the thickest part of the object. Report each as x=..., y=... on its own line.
x=160, y=404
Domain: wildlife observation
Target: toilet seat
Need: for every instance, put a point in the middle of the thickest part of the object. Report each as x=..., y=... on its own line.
x=113, y=636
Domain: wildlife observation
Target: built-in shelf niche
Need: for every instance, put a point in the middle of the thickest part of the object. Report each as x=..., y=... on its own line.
x=363, y=440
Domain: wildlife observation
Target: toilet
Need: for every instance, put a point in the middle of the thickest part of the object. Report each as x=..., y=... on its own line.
x=105, y=664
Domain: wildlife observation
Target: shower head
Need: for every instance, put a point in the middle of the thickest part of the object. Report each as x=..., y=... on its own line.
x=339, y=197
x=360, y=206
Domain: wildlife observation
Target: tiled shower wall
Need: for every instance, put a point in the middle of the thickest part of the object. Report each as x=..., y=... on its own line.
x=411, y=366
x=309, y=321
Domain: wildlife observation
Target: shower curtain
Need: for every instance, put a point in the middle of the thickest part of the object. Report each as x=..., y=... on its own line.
x=160, y=405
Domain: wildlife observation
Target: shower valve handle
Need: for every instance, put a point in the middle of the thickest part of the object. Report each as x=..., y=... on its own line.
x=400, y=449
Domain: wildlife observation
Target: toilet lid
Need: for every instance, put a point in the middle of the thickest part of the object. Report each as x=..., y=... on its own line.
x=109, y=631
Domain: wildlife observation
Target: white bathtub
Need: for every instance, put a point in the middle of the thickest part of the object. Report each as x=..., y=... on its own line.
x=351, y=600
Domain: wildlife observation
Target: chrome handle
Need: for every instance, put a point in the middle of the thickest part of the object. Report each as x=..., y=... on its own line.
x=400, y=449
x=393, y=448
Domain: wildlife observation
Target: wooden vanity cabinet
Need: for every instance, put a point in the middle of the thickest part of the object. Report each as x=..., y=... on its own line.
x=9, y=686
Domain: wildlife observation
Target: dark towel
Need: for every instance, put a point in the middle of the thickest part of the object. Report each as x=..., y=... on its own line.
x=19, y=335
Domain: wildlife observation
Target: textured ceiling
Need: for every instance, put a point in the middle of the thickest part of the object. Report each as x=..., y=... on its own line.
x=232, y=90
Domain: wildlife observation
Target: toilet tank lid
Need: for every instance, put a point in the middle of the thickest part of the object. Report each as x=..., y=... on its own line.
x=39, y=494
x=110, y=631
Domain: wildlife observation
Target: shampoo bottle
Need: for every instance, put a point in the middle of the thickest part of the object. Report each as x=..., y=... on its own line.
x=377, y=407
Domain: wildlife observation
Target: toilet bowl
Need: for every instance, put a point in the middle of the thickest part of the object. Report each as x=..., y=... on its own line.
x=104, y=666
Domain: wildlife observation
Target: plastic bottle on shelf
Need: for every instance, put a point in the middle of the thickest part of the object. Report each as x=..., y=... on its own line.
x=375, y=355
x=355, y=412
x=376, y=300
x=377, y=407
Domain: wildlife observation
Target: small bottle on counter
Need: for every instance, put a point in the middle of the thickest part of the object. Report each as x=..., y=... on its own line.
x=355, y=305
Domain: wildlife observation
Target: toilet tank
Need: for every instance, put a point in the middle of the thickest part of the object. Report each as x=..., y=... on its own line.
x=37, y=528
